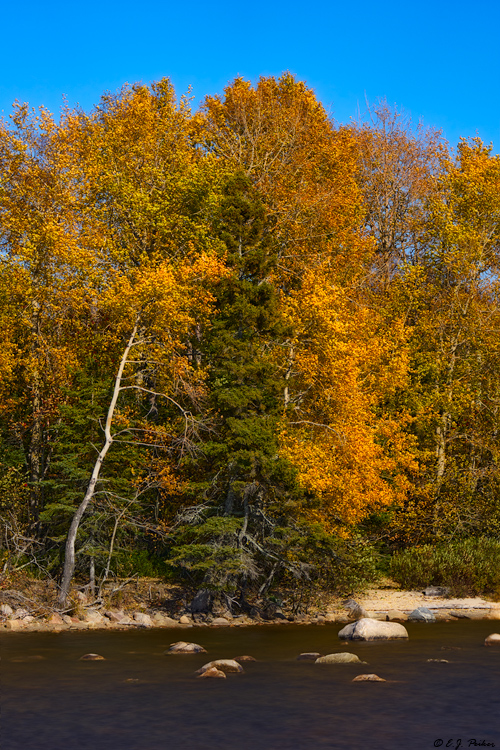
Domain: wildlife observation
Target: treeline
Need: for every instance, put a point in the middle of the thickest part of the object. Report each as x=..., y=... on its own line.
x=244, y=346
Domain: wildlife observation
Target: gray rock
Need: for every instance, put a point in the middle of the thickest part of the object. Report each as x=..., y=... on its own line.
x=421, y=614
x=343, y=658
x=436, y=591
x=143, y=619
x=225, y=665
x=220, y=622
x=92, y=616
x=6, y=610
x=356, y=611
x=368, y=629
x=181, y=647
x=202, y=602
x=115, y=615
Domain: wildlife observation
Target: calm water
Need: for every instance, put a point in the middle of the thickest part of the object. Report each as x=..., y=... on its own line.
x=51, y=700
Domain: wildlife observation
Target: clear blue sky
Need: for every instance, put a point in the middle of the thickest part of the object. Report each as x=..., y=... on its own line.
x=438, y=60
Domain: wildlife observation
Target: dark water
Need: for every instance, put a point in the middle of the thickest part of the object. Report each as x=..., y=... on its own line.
x=60, y=703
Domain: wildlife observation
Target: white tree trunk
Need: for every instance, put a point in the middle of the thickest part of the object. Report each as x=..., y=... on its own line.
x=69, y=557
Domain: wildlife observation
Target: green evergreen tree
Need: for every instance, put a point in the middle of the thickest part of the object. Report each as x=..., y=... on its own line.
x=236, y=534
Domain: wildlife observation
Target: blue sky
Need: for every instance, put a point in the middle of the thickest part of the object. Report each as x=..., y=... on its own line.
x=440, y=61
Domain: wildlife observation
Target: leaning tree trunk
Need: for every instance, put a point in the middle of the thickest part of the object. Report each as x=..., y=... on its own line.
x=69, y=557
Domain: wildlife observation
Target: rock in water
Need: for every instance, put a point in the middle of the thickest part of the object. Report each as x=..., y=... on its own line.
x=245, y=657
x=343, y=658
x=368, y=678
x=181, y=647
x=369, y=629
x=225, y=665
x=213, y=672
x=492, y=640
x=421, y=614
x=92, y=657
x=309, y=656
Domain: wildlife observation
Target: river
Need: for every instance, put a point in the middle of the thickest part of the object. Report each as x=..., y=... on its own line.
x=140, y=699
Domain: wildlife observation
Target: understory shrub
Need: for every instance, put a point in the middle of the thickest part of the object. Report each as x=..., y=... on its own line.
x=468, y=567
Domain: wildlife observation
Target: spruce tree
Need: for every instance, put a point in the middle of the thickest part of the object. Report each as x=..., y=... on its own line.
x=234, y=532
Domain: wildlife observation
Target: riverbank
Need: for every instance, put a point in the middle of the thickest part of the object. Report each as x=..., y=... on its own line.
x=150, y=603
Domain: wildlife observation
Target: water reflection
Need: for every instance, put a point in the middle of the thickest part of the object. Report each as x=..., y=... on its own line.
x=140, y=699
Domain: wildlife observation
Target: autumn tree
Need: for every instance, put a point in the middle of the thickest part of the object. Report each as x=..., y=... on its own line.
x=452, y=313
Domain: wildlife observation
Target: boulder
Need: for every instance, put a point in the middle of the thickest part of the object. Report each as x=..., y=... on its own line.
x=94, y=617
x=213, y=672
x=126, y=620
x=56, y=619
x=220, y=622
x=396, y=614
x=159, y=618
x=368, y=629
x=142, y=619
x=436, y=591
x=92, y=657
x=421, y=614
x=115, y=615
x=202, y=602
x=492, y=640
x=225, y=665
x=6, y=610
x=343, y=658
x=14, y=624
x=368, y=678
x=309, y=656
x=185, y=620
x=181, y=647
x=356, y=611
x=330, y=617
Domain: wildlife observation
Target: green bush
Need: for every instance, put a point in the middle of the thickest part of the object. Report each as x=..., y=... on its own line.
x=468, y=567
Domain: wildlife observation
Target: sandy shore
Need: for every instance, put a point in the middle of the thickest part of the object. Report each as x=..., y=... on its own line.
x=388, y=603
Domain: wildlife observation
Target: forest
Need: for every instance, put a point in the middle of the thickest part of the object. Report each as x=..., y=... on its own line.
x=247, y=348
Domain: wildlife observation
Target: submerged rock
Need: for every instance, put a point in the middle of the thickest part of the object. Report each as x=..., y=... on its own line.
x=225, y=665
x=181, y=647
x=92, y=657
x=369, y=629
x=309, y=656
x=368, y=678
x=343, y=658
x=245, y=657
